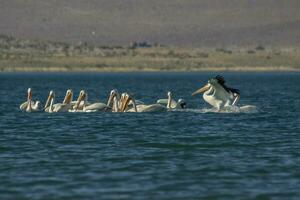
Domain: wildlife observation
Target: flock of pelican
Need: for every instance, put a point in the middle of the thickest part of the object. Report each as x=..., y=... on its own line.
x=115, y=103
x=215, y=92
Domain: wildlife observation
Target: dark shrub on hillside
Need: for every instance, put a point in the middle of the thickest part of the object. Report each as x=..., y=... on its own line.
x=260, y=48
x=222, y=50
x=251, y=52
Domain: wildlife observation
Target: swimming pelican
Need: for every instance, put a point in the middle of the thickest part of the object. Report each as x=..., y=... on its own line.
x=217, y=94
x=117, y=101
x=94, y=107
x=116, y=105
x=141, y=107
x=49, y=103
x=114, y=100
x=66, y=105
x=77, y=105
x=29, y=105
x=171, y=103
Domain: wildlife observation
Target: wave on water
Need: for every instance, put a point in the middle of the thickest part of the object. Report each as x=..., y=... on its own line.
x=227, y=109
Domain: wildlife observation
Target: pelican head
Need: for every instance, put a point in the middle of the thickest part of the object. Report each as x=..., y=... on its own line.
x=181, y=103
x=211, y=83
x=217, y=94
x=29, y=94
x=68, y=97
x=50, y=96
x=217, y=83
x=124, y=101
x=113, y=93
x=81, y=96
x=51, y=93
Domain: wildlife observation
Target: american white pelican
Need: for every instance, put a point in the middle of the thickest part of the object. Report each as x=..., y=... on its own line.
x=94, y=107
x=49, y=103
x=29, y=105
x=115, y=105
x=77, y=105
x=217, y=94
x=141, y=107
x=117, y=101
x=66, y=105
x=114, y=100
x=171, y=103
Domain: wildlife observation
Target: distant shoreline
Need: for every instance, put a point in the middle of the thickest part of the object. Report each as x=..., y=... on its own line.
x=45, y=56
x=125, y=70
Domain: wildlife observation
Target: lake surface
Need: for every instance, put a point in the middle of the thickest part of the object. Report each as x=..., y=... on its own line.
x=173, y=155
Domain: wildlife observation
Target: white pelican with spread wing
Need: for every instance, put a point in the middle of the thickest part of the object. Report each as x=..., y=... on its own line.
x=217, y=94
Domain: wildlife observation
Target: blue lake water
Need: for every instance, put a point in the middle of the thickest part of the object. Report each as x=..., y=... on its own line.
x=171, y=155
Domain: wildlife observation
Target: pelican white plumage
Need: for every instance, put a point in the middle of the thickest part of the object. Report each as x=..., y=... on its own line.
x=93, y=107
x=65, y=106
x=116, y=101
x=217, y=94
x=171, y=103
x=77, y=106
x=140, y=108
x=49, y=103
x=29, y=105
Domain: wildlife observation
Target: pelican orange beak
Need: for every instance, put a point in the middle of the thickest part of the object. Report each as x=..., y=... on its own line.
x=110, y=98
x=203, y=89
x=68, y=97
x=122, y=102
x=29, y=94
x=80, y=98
x=125, y=102
x=50, y=96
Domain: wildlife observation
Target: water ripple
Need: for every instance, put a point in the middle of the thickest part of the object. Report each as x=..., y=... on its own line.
x=189, y=154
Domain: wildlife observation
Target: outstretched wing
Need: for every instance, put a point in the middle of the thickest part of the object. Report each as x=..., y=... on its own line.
x=221, y=81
